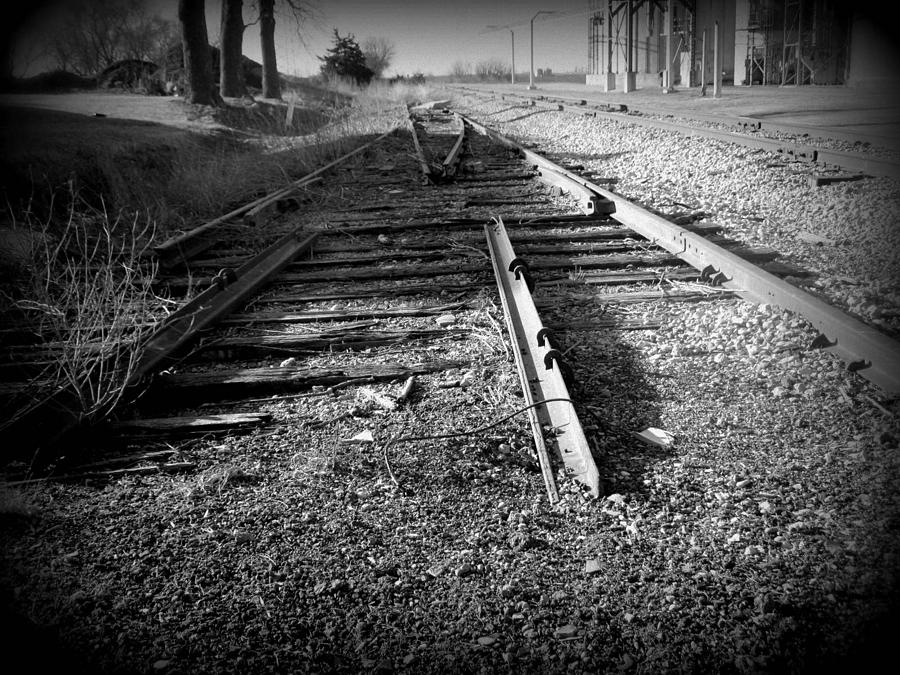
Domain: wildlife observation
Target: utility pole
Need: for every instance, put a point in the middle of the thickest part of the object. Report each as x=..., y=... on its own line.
x=703, y=66
x=717, y=66
x=512, y=75
x=531, y=70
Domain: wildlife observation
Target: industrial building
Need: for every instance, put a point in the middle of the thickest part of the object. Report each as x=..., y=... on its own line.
x=750, y=42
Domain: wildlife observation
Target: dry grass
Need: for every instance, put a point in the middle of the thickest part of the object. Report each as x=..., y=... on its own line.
x=177, y=177
x=90, y=196
x=381, y=92
x=86, y=288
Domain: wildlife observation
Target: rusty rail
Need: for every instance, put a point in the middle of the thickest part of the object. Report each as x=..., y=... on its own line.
x=182, y=247
x=450, y=165
x=50, y=420
x=427, y=176
x=865, y=349
x=588, y=200
x=542, y=371
x=229, y=289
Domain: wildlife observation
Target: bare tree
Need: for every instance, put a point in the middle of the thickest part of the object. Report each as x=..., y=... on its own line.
x=491, y=69
x=231, y=40
x=301, y=11
x=16, y=53
x=18, y=56
x=271, y=83
x=460, y=70
x=169, y=36
x=98, y=33
x=197, y=58
x=379, y=53
x=145, y=36
x=89, y=41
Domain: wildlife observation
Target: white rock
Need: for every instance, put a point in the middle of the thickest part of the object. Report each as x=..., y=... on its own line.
x=362, y=437
x=567, y=631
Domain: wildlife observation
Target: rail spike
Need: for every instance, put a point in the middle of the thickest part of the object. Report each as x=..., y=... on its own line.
x=545, y=336
x=519, y=267
x=554, y=356
x=224, y=278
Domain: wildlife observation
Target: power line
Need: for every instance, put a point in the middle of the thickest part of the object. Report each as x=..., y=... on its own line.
x=555, y=16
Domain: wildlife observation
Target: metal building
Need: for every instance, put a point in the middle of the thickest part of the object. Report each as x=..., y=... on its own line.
x=752, y=42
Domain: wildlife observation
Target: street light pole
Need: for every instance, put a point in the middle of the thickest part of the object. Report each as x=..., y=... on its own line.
x=512, y=75
x=531, y=70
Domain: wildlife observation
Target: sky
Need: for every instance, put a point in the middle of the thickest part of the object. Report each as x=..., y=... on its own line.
x=429, y=36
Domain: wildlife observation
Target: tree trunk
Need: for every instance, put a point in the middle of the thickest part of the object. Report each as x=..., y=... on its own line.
x=197, y=60
x=231, y=37
x=270, y=82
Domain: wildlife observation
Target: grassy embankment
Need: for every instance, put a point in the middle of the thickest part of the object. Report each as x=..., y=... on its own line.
x=86, y=199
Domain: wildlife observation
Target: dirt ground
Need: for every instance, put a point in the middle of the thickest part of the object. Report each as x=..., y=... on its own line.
x=765, y=541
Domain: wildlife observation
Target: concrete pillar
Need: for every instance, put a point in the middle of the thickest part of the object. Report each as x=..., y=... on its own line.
x=668, y=75
x=741, y=38
x=630, y=84
x=610, y=84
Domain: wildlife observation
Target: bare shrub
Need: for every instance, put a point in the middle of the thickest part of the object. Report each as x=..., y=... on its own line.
x=89, y=291
x=461, y=70
x=492, y=70
x=379, y=52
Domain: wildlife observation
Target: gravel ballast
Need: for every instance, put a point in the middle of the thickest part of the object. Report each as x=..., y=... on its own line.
x=763, y=539
x=845, y=234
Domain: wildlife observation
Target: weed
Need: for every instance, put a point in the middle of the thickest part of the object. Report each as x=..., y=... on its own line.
x=216, y=478
x=86, y=201
x=577, y=275
x=88, y=293
x=382, y=93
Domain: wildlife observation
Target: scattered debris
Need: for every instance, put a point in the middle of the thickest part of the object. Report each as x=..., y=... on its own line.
x=592, y=566
x=382, y=401
x=654, y=436
x=362, y=437
x=567, y=631
x=445, y=320
x=407, y=389
x=431, y=105
x=810, y=238
x=818, y=179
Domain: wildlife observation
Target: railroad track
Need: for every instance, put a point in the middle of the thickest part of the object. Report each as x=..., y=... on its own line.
x=749, y=132
x=431, y=248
